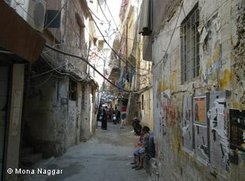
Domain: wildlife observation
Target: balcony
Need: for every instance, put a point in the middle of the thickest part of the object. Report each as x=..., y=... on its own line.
x=115, y=69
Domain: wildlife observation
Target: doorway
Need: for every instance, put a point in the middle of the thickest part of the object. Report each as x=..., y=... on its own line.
x=4, y=80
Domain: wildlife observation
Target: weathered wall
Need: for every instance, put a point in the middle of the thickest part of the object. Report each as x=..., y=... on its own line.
x=187, y=148
x=74, y=35
x=88, y=120
x=238, y=57
x=74, y=119
x=146, y=113
x=46, y=115
x=162, y=11
x=53, y=119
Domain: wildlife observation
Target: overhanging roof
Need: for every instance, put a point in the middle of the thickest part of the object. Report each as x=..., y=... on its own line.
x=17, y=36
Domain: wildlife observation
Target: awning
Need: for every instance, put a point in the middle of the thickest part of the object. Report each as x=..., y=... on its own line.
x=17, y=36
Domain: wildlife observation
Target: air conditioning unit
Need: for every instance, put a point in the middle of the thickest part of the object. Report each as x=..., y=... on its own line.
x=36, y=14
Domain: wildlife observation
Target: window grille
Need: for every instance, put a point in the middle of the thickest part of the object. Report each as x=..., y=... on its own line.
x=190, y=46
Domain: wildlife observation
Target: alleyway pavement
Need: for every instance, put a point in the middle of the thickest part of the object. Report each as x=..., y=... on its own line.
x=105, y=157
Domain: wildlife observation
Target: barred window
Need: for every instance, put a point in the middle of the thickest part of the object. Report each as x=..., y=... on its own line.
x=190, y=46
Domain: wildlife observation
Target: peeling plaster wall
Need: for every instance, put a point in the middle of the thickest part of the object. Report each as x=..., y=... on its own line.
x=88, y=122
x=74, y=120
x=221, y=27
x=46, y=116
x=238, y=57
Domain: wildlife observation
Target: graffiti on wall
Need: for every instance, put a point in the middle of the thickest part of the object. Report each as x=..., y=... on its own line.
x=166, y=111
x=161, y=102
x=218, y=117
x=200, y=129
x=187, y=124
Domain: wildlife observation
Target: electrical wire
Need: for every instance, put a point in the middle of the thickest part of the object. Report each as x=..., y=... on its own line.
x=202, y=21
x=57, y=14
x=169, y=43
x=124, y=60
x=112, y=18
x=44, y=82
x=103, y=12
x=19, y=5
x=63, y=73
x=86, y=61
x=114, y=51
x=95, y=54
x=98, y=18
x=44, y=73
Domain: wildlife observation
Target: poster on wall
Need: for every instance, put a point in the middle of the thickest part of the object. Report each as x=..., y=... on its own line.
x=200, y=109
x=201, y=128
x=187, y=124
x=218, y=131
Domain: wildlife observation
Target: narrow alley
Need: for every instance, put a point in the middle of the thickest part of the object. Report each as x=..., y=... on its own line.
x=107, y=156
x=170, y=71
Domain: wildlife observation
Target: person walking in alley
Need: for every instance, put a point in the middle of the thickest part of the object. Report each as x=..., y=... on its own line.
x=104, y=120
x=118, y=115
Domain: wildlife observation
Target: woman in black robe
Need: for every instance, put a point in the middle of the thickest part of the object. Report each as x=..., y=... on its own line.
x=104, y=120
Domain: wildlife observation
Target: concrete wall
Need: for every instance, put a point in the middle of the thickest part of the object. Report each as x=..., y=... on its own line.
x=74, y=119
x=146, y=113
x=53, y=119
x=46, y=115
x=185, y=148
x=163, y=11
x=74, y=35
x=88, y=118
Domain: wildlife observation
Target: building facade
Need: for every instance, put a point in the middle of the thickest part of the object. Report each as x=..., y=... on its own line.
x=48, y=100
x=129, y=70
x=15, y=53
x=197, y=50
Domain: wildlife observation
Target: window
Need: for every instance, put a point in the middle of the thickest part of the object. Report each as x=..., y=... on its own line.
x=72, y=90
x=190, y=46
x=53, y=18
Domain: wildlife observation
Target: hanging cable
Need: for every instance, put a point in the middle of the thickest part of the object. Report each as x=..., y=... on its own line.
x=56, y=15
x=103, y=12
x=169, y=43
x=86, y=61
x=112, y=17
x=114, y=51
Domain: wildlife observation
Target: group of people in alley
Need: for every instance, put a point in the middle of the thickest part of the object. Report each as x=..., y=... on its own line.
x=145, y=147
x=108, y=114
